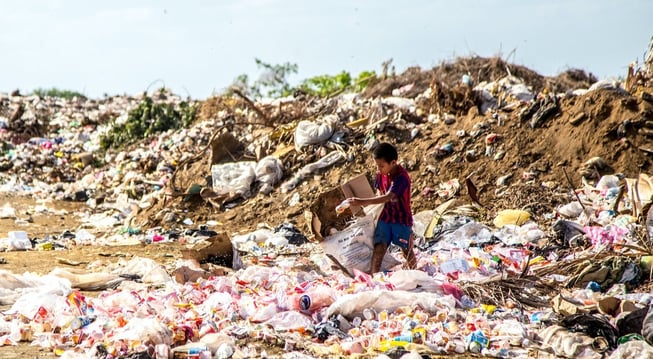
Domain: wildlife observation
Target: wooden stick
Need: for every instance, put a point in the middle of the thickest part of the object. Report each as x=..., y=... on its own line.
x=571, y=185
x=252, y=105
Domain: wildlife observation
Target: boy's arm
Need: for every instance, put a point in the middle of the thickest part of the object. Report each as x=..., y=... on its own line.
x=354, y=201
x=399, y=185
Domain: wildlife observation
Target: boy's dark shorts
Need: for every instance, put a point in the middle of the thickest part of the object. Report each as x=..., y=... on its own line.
x=395, y=233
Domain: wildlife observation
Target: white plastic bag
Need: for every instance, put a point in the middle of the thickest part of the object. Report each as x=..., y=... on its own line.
x=269, y=170
x=352, y=305
x=19, y=241
x=352, y=247
x=144, y=330
x=233, y=178
x=28, y=285
x=567, y=344
x=7, y=212
x=632, y=350
x=310, y=133
x=399, y=102
x=290, y=320
x=259, y=236
x=327, y=161
x=150, y=271
x=415, y=280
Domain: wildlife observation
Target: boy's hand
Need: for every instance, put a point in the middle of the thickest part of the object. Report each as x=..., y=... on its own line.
x=355, y=201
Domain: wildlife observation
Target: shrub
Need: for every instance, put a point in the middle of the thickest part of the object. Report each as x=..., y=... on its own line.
x=146, y=119
x=55, y=92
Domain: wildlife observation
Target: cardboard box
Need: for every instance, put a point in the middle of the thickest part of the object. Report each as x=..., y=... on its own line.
x=323, y=214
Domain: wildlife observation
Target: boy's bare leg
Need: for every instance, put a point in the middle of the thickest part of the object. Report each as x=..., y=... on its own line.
x=409, y=254
x=377, y=257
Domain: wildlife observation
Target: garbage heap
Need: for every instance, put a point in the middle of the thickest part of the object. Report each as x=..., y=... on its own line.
x=531, y=217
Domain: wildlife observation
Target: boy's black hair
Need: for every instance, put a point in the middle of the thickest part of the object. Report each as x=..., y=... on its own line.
x=385, y=151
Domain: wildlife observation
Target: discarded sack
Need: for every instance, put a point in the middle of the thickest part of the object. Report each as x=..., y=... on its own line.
x=311, y=133
x=353, y=246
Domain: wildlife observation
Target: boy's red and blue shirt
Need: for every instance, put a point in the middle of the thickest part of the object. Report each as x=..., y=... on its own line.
x=398, y=210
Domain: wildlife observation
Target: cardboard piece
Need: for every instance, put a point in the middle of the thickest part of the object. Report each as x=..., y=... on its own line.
x=216, y=246
x=640, y=191
x=323, y=215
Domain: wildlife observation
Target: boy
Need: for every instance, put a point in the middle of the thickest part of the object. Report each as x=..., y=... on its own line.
x=396, y=220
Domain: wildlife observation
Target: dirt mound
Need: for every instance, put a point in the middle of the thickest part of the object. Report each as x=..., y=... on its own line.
x=449, y=74
x=571, y=79
x=497, y=147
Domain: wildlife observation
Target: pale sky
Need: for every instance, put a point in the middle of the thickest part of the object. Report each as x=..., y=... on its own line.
x=199, y=47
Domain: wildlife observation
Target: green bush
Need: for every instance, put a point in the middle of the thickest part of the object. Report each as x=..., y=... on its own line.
x=363, y=80
x=147, y=119
x=328, y=85
x=55, y=92
x=325, y=85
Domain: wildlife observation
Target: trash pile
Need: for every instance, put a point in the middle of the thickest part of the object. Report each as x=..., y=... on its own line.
x=532, y=216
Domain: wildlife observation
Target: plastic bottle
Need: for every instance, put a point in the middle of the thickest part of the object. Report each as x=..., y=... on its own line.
x=342, y=207
x=80, y=322
x=314, y=299
x=477, y=340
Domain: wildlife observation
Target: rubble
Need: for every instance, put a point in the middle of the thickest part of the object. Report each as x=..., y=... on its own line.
x=524, y=259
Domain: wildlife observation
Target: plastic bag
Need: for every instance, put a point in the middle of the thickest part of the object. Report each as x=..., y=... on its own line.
x=217, y=300
x=567, y=344
x=233, y=178
x=467, y=233
x=353, y=305
x=415, y=280
x=269, y=170
x=19, y=241
x=632, y=350
x=511, y=216
x=327, y=161
x=352, y=247
x=144, y=330
x=310, y=133
x=15, y=287
x=150, y=271
x=399, y=102
x=29, y=305
x=291, y=320
x=258, y=236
